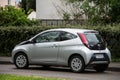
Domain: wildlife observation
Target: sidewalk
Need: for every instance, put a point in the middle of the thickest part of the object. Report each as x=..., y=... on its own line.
x=114, y=66
x=5, y=60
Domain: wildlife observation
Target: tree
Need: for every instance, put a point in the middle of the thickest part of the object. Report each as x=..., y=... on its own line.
x=10, y=16
x=69, y=11
x=115, y=11
x=100, y=11
x=28, y=5
x=95, y=10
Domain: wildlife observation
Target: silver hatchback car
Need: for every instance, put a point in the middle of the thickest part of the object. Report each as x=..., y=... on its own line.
x=75, y=48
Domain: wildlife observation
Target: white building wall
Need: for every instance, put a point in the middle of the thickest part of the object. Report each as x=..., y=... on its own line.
x=3, y=3
x=12, y=2
x=54, y=9
x=46, y=9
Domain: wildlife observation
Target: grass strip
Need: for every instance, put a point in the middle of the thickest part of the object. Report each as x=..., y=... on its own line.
x=18, y=77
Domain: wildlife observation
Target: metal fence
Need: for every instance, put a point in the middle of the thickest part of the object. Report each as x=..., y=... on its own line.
x=60, y=22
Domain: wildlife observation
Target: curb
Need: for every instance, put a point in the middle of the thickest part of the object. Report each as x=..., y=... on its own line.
x=5, y=62
x=113, y=69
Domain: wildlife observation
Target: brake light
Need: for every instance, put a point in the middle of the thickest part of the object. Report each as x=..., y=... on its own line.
x=83, y=39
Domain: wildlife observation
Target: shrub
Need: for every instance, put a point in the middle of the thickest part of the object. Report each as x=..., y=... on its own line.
x=10, y=16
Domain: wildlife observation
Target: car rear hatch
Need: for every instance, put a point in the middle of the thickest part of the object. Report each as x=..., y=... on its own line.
x=92, y=40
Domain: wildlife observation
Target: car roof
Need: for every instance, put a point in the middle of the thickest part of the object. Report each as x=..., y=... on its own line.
x=70, y=30
x=73, y=30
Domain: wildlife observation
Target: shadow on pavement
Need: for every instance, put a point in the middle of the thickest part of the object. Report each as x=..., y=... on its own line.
x=61, y=69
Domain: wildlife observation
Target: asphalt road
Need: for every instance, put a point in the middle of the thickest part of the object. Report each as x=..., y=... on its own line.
x=59, y=72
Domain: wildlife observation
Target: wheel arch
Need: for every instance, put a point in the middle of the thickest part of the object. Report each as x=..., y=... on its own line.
x=75, y=54
x=20, y=52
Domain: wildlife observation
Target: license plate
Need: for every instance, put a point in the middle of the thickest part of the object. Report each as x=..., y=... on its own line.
x=99, y=56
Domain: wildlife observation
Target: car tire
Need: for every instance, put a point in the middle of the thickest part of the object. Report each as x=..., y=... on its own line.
x=100, y=67
x=77, y=64
x=21, y=61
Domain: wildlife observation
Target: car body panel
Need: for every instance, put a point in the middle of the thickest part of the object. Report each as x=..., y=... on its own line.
x=44, y=52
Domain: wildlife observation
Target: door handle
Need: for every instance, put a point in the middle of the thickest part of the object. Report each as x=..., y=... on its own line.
x=55, y=45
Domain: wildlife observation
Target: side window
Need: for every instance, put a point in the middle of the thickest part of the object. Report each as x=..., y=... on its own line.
x=51, y=36
x=67, y=36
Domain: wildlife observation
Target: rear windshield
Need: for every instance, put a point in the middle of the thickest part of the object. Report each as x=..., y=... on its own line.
x=93, y=38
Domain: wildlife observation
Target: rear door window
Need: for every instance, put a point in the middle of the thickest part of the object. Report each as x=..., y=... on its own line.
x=67, y=36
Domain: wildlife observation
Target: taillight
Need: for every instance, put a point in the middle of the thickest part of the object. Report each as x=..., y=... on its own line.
x=83, y=39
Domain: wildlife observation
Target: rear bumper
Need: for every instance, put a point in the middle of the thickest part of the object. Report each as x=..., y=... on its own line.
x=99, y=62
x=95, y=61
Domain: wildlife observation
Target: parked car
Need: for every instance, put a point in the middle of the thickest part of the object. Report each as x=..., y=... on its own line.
x=75, y=48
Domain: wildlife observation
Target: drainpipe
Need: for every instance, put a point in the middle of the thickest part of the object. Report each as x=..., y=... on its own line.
x=9, y=2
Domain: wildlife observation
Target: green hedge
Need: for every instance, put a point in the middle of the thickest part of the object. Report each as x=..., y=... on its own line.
x=11, y=36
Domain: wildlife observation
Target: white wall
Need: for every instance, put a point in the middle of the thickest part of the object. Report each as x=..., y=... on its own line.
x=54, y=9
x=3, y=3
x=12, y=3
x=46, y=9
